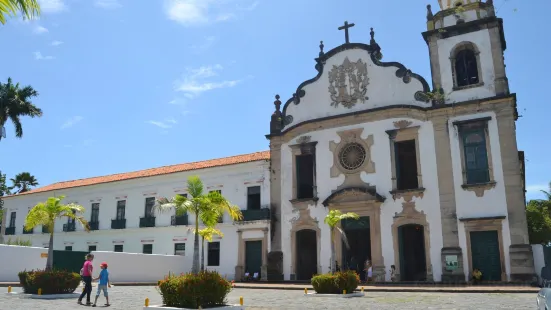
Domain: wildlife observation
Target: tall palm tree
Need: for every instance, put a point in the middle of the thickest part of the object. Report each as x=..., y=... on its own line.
x=15, y=102
x=46, y=213
x=23, y=182
x=29, y=8
x=332, y=219
x=206, y=207
x=206, y=234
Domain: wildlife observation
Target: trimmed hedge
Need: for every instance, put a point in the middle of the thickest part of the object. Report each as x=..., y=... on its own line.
x=336, y=283
x=51, y=281
x=206, y=289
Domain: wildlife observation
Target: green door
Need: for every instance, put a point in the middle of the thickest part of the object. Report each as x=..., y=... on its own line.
x=253, y=257
x=485, y=254
x=69, y=260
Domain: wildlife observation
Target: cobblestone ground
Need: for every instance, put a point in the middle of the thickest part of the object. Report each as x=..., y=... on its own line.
x=127, y=298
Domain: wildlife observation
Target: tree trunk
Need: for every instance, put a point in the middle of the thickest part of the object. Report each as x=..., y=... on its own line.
x=195, y=266
x=50, y=259
x=333, y=267
x=202, y=253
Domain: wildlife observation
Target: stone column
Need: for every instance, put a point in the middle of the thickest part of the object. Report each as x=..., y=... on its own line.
x=520, y=251
x=264, y=268
x=447, y=200
x=377, y=259
x=500, y=80
x=240, y=259
x=276, y=255
x=434, y=62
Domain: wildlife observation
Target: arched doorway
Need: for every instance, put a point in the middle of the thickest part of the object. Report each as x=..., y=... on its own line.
x=306, y=251
x=413, y=261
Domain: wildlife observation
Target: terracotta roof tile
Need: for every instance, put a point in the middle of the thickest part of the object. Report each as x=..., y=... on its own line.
x=225, y=161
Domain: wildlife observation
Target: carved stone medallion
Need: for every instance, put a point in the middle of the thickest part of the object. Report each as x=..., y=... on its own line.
x=348, y=83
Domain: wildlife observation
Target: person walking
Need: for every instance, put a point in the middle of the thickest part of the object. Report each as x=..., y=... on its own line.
x=103, y=284
x=87, y=278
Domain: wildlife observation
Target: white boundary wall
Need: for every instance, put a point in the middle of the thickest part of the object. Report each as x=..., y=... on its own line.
x=15, y=258
x=139, y=268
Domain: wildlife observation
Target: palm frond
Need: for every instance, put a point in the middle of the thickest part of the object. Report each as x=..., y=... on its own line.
x=195, y=186
x=29, y=8
x=343, y=236
x=208, y=232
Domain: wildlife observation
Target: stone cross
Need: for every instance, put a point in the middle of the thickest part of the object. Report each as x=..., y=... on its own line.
x=345, y=27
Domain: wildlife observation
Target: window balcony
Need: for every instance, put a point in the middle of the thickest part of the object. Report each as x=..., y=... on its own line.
x=93, y=225
x=179, y=220
x=256, y=215
x=148, y=221
x=69, y=227
x=118, y=224
x=28, y=232
x=10, y=231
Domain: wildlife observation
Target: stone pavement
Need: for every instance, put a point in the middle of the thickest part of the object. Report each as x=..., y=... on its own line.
x=132, y=297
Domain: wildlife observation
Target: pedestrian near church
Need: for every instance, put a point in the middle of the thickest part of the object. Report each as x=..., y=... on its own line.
x=103, y=284
x=87, y=270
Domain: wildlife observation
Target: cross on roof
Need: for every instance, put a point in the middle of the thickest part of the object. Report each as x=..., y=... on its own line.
x=345, y=27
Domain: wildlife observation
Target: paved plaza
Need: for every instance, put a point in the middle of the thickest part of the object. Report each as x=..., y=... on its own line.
x=127, y=298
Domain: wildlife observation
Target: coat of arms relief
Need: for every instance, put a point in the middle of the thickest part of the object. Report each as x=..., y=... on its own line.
x=348, y=83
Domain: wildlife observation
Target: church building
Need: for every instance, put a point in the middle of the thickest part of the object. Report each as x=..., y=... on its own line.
x=431, y=167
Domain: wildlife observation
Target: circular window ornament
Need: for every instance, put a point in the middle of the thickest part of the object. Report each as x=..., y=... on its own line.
x=352, y=156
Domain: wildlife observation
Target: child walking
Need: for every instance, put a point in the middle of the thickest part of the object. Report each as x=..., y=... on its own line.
x=103, y=284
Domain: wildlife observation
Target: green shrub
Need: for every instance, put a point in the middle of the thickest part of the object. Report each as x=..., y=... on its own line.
x=19, y=242
x=51, y=282
x=336, y=283
x=205, y=289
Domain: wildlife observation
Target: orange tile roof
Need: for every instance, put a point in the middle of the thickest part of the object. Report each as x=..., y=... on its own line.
x=225, y=161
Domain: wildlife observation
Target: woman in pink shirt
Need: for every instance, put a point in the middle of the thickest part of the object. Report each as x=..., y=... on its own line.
x=87, y=278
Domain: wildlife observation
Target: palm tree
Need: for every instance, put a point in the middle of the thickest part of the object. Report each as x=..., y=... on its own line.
x=203, y=206
x=29, y=8
x=206, y=234
x=14, y=103
x=23, y=182
x=46, y=213
x=332, y=219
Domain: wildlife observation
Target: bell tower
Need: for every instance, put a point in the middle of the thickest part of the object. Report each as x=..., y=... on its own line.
x=466, y=44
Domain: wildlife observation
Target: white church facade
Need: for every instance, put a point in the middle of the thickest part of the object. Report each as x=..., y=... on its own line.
x=435, y=176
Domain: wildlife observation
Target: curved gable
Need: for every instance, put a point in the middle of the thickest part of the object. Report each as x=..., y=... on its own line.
x=351, y=79
x=353, y=194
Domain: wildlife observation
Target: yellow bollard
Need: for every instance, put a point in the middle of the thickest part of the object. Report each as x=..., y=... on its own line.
x=9, y=289
x=147, y=302
x=39, y=291
x=362, y=289
x=344, y=292
x=305, y=290
x=241, y=300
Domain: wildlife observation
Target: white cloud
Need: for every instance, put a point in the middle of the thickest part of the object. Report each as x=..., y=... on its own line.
x=40, y=30
x=52, y=6
x=166, y=124
x=39, y=56
x=71, y=122
x=194, y=82
x=56, y=43
x=200, y=12
x=108, y=4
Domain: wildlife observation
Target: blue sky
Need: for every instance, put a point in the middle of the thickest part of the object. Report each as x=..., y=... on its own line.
x=128, y=85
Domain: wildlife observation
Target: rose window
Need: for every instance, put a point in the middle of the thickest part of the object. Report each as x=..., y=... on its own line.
x=352, y=156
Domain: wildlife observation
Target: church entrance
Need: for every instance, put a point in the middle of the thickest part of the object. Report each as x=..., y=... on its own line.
x=307, y=254
x=411, y=241
x=359, y=239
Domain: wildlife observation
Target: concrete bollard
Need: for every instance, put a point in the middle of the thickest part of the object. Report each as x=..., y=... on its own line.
x=9, y=289
x=147, y=302
x=39, y=291
x=241, y=300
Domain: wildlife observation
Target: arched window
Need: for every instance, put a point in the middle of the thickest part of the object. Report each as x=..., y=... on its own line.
x=466, y=68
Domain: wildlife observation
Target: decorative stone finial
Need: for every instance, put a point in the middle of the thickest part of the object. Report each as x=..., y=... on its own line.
x=321, y=48
x=490, y=2
x=372, y=33
x=430, y=16
x=277, y=103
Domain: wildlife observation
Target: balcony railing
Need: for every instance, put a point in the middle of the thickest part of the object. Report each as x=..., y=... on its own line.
x=28, y=232
x=148, y=221
x=178, y=220
x=10, y=231
x=118, y=224
x=93, y=225
x=69, y=227
x=45, y=229
x=256, y=215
